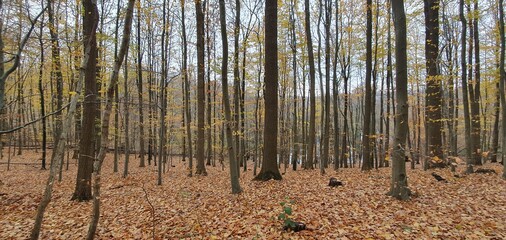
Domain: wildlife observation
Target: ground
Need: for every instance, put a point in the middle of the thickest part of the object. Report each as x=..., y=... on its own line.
x=202, y=207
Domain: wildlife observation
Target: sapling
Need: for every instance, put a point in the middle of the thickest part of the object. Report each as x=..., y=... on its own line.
x=288, y=223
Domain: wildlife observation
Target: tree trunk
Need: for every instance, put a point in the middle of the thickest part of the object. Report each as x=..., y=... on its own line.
x=399, y=183
x=502, y=83
x=234, y=171
x=106, y=116
x=201, y=167
x=475, y=96
x=465, y=91
x=187, y=92
x=57, y=156
x=82, y=191
x=42, y=101
x=269, y=168
x=366, y=138
x=139, y=88
x=312, y=97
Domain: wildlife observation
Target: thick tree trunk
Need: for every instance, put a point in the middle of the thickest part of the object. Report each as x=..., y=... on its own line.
x=269, y=168
x=502, y=83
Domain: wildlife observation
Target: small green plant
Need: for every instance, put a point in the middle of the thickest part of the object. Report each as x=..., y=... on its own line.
x=288, y=223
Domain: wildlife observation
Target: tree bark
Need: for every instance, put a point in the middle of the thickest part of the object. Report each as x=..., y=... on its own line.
x=269, y=168
x=106, y=115
x=82, y=191
x=366, y=138
x=312, y=85
x=201, y=167
x=234, y=171
x=399, y=183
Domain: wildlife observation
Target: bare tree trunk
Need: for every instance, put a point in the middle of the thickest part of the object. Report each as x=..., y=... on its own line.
x=399, y=183
x=270, y=168
x=82, y=190
x=42, y=102
x=366, y=138
x=57, y=156
x=502, y=84
x=139, y=88
x=106, y=115
x=234, y=171
x=464, y=82
x=312, y=98
x=201, y=167
x=187, y=91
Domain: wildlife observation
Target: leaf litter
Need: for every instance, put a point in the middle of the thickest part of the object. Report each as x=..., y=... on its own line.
x=202, y=207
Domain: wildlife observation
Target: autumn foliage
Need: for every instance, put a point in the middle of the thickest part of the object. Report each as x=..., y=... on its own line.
x=471, y=207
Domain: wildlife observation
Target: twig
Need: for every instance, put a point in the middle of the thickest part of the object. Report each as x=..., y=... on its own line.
x=152, y=209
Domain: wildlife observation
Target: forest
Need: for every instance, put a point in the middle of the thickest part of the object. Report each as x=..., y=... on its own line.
x=254, y=119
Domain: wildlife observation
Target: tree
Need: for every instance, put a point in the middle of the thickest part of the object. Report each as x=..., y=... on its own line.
x=56, y=68
x=106, y=115
x=465, y=100
x=399, y=183
x=234, y=170
x=474, y=92
x=502, y=84
x=366, y=138
x=433, y=93
x=82, y=191
x=186, y=81
x=269, y=168
x=16, y=59
x=201, y=167
x=42, y=101
x=312, y=98
x=139, y=87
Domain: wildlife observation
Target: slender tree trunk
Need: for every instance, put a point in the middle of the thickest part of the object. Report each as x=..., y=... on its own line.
x=187, y=92
x=42, y=102
x=366, y=138
x=126, y=98
x=399, y=183
x=234, y=171
x=139, y=88
x=82, y=191
x=57, y=157
x=201, y=167
x=312, y=85
x=106, y=115
x=293, y=46
x=475, y=99
x=464, y=82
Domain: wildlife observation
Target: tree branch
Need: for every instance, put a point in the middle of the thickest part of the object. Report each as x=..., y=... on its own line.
x=34, y=121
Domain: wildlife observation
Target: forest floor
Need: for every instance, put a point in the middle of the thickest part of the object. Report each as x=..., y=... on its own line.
x=202, y=207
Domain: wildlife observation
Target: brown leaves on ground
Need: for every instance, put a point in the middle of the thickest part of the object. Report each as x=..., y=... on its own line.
x=472, y=207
